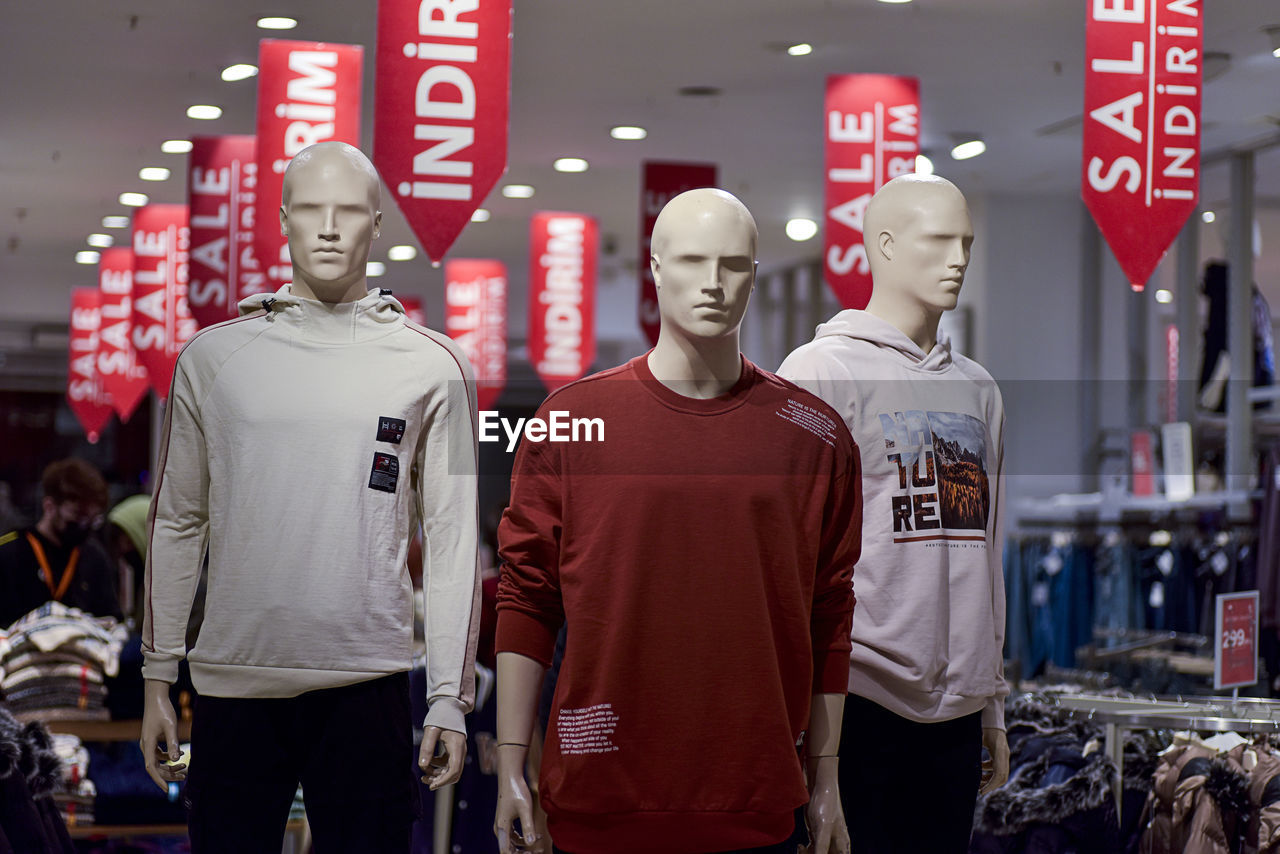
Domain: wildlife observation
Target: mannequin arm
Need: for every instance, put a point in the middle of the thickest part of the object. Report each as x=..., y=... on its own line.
x=827, y=830
x=996, y=771
x=158, y=720
x=446, y=768
x=519, y=681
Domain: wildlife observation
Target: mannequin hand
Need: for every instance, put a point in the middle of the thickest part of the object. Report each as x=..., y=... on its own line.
x=514, y=802
x=995, y=771
x=447, y=767
x=828, y=833
x=159, y=721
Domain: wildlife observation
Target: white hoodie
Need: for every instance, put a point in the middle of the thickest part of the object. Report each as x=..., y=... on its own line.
x=303, y=444
x=928, y=629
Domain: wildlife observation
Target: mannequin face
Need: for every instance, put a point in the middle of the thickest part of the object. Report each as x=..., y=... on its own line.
x=928, y=252
x=704, y=266
x=330, y=216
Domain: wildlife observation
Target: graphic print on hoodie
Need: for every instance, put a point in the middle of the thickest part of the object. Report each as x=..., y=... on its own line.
x=941, y=460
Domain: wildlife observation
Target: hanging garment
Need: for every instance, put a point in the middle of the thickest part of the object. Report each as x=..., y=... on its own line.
x=30, y=771
x=1197, y=799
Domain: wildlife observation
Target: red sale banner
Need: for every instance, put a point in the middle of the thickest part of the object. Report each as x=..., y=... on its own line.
x=440, y=110
x=222, y=182
x=872, y=136
x=162, y=321
x=86, y=394
x=1141, y=165
x=475, y=315
x=413, y=309
x=1235, y=660
x=123, y=376
x=562, y=296
x=308, y=92
x=1142, y=462
x=661, y=182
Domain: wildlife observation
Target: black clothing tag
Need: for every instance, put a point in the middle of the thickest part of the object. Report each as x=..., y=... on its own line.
x=390, y=429
x=386, y=471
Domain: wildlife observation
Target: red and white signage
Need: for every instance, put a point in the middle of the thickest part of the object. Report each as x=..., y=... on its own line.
x=413, y=309
x=1141, y=165
x=222, y=185
x=562, y=296
x=440, y=110
x=86, y=395
x=123, y=376
x=1235, y=634
x=1142, y=460
x=872, y=136
x=162, y=321
x=475, y=315
x=661, y=182
x=308, y=92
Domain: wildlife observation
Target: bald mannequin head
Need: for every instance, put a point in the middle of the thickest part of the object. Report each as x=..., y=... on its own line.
x=330, y=214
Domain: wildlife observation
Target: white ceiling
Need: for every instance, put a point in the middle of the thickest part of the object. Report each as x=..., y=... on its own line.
x=92, y=88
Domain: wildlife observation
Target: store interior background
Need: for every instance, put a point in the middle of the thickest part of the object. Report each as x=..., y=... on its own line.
x=91, y=90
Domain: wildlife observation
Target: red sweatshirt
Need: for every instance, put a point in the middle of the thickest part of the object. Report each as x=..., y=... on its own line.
x=702, y=556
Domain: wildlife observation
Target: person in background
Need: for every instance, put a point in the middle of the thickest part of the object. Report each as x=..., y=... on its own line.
x=126, y=540
x=56, y=559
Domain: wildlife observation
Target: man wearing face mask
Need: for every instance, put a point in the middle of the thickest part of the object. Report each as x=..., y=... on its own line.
x=55, y=560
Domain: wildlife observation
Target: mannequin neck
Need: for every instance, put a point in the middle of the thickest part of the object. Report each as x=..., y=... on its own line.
x=700, y=368
x=913, y=319
x=330, y=292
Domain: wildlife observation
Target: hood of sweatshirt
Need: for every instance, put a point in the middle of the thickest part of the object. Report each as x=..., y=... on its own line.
x=375, y=314
x=859, y=325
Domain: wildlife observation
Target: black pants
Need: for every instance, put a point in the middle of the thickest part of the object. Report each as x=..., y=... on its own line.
x=350, y=747
x=908, y=787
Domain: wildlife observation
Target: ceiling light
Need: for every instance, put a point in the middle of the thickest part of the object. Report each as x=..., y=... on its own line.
x=480, y=215
x=800, y=49
x=375, y=268
x=276, y=23
x=87, y=256
x=1273, y=33
x=115, y=222
x=1208, y=216
x=175, y=146
x=971, y=147
x=101, y=241
x=1164, y=296
x=895, y=1
x=628, y=132
x=517, y=191
x=570, y=164
x=801, y=229
x=153, y=173
x=204, y=111
x=133, y=200
x=924, y=166
x=239, y=71
x=404, y=252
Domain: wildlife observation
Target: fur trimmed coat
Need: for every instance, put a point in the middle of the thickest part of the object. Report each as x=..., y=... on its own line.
x=1197, y=800
x=29, y=772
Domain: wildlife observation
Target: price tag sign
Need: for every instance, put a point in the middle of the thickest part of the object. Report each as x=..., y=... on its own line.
x=1235, y=658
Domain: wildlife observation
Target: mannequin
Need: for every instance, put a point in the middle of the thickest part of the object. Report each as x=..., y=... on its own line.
x=929, y=630
x=302, y=660
x=651, y=707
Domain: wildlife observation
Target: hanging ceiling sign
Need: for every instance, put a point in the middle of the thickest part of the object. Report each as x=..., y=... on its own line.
x=660, y=183
x=86, y=395
x=1141, y=165
x=475, y=315
x=562, y=296
x=123, y=376
x=308, y=92
x=872, y=131
x=440, y=110
x=162, y=321
x=222, y=184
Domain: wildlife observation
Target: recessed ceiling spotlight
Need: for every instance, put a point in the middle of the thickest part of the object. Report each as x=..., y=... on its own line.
x=924, y=166
x=204, y=111
x=404, y=252
x=800, y=229
x=570, y=164
x=277, y=23
x=971, y=146
x=1163, y=296
x=87, y=256
x=628, y=132
x=153, y=173
x=801, y=49
x=175, y=146
x=1208, y=216
x=375, y=268
x=895, y=1
x=100, y=241
x=239, y=71
x=116, y=221
x=133, y=200
x=480, y=215
x=1273, y=33
x=517, y=191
